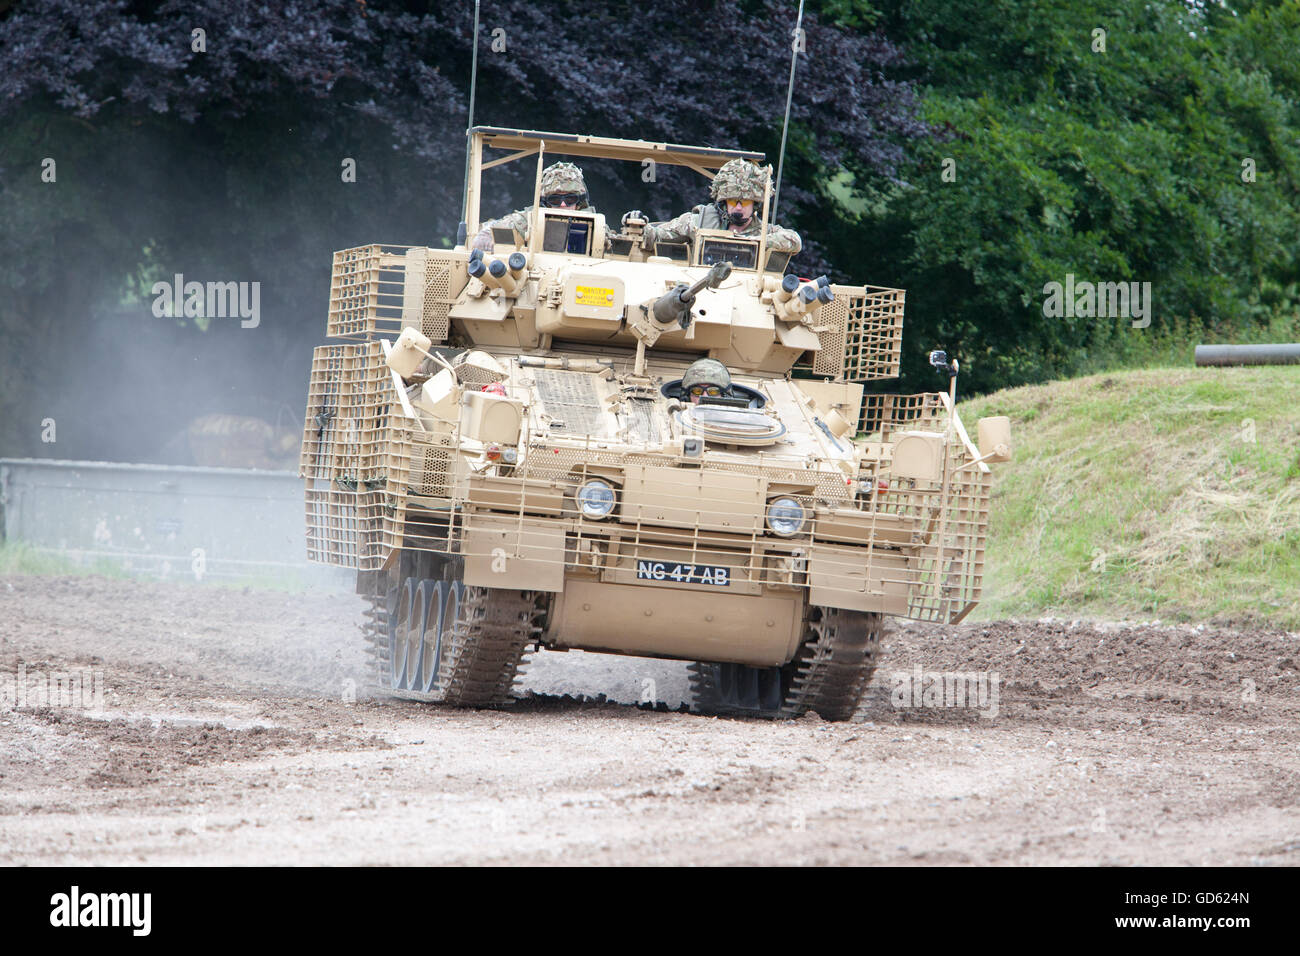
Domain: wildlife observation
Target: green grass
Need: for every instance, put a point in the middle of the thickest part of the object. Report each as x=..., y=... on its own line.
x=1171, y=343
x=17, y=558
x=1170, y=493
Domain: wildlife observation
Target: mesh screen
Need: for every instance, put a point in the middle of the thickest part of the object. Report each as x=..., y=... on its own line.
x=861, y=334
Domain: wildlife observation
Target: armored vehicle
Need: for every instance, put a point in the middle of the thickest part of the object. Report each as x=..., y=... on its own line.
x=502, y=446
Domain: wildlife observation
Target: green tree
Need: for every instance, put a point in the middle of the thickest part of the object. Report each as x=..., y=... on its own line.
x=224, y=164
x=1121, y=163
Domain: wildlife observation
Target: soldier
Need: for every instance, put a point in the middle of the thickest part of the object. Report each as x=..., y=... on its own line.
x=562, y=188
x=705, y=376
x=737, y=193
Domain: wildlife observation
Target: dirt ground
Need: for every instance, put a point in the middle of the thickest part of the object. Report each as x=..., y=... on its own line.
x=226, y=736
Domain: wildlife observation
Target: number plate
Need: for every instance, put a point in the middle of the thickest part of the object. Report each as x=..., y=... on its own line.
x=674, y=572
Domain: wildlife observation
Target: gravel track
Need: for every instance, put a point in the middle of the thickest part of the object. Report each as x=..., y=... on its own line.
x=225, y=736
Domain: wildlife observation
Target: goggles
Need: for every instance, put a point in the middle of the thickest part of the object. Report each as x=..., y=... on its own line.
x=699, y=391
x=572, y=200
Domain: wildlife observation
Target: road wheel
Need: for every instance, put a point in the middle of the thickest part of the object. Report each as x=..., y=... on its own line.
x=438, y=640
x=402, y=633
x=430, y=598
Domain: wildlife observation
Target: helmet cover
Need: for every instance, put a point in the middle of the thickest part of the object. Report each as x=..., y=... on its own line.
x=706, y=371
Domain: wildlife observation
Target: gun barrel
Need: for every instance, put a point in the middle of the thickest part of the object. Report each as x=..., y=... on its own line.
x=694, y=289
x=675, y=305
x=671, y=306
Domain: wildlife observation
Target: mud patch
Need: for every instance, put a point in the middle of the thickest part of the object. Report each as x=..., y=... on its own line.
x=142, y=752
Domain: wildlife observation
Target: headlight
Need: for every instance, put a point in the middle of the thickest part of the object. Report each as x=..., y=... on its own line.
x=785, y=516
x=595, y=499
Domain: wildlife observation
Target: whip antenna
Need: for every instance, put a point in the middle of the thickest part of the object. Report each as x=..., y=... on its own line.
x=795, y=44
x=473, y=84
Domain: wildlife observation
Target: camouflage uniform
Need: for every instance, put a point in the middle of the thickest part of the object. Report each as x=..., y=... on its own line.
x=556, y=178
x=518, y=220
x=738, y=179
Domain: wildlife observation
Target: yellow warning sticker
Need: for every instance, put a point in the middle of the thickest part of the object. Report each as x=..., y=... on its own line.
x=594, y=295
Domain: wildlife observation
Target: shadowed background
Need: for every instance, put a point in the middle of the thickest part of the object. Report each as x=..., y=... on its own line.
x=225, y=165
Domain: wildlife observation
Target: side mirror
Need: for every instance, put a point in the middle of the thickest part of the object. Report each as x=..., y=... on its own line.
x=995, y=438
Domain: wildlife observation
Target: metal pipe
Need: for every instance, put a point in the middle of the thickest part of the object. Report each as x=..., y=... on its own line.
x=503, y=276
x=788, y=287
x=1248, y=354
x=563, y=362
x=478, y=270
x=799, y=303
x=517, y=263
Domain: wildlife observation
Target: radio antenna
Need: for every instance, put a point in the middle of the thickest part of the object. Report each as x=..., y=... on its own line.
x=795, y=43
x=473, y=84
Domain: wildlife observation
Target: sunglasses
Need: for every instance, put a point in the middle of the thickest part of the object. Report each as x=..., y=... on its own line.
x=575, y=200
x=698, y=391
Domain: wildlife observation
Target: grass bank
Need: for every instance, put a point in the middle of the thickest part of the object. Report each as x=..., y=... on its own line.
x=1169, y=493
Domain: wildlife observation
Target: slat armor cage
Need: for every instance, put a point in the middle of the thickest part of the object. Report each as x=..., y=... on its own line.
x=375, y=484
x=862, y=334
x=370, y=295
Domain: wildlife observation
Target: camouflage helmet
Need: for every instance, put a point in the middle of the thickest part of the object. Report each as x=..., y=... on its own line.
x=706, y=371
x=562, y=178
x=739, y=179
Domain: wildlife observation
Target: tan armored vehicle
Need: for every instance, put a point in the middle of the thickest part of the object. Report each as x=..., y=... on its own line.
x=506, y=454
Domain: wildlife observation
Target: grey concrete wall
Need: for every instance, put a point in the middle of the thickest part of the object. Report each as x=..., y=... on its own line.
x=164, y=521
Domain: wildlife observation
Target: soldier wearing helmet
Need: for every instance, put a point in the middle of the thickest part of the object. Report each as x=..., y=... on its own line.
x=737, y=193
x=705, y=376
x=562, y=188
